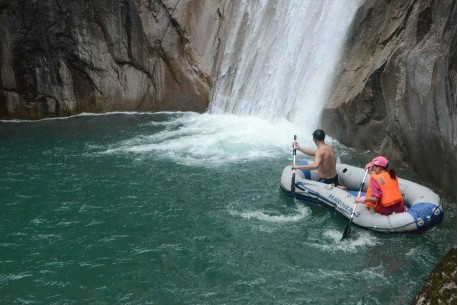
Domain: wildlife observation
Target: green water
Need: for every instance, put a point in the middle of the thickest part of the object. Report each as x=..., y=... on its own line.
x=181, y=208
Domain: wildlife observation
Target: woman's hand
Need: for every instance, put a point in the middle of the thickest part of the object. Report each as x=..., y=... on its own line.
x=360, y=199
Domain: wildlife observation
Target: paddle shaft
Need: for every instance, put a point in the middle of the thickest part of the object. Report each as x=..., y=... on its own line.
x=359, y=194
x=347, y=228
x=293, y=177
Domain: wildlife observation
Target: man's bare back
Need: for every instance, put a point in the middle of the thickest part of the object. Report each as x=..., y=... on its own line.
x=325, y=158
x=326, y=161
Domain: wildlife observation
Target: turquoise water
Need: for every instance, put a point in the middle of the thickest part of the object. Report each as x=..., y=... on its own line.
x=184, y=208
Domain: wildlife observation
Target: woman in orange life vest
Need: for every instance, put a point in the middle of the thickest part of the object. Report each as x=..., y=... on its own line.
x=383, y=192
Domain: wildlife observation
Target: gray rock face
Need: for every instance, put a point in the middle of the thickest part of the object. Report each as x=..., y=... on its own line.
x=64, y=57
x=396, y=90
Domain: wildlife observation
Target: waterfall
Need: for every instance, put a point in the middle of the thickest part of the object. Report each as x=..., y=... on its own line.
x=280, y=58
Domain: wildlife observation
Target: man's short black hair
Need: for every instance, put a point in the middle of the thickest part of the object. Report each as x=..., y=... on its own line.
x=319, y=134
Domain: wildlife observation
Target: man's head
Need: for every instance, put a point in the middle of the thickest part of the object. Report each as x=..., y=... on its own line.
x=319, y=135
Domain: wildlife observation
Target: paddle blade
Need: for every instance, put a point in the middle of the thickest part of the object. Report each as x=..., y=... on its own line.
x=346, y=232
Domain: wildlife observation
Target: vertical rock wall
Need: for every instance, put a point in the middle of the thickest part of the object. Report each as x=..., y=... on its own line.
x=64, y=57
x=395, y=93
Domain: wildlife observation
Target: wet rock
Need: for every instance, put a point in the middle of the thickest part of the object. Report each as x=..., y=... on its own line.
x=395, y=92
x=63, y=57
x=440, y=287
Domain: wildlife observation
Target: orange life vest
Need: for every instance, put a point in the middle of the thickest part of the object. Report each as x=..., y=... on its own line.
x=391, y=193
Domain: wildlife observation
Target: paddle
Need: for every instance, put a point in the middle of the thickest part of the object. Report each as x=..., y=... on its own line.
x=293, y=178
x=346, y=232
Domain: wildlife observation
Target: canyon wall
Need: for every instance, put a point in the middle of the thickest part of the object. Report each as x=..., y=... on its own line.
x=65, y=57
x=395, y=91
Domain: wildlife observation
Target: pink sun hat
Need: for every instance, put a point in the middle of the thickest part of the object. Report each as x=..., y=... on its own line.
x=379, y=161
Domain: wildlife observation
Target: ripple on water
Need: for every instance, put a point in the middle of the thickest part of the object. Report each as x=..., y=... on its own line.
x=273, y=216
x=155, y=230
x=328, y=240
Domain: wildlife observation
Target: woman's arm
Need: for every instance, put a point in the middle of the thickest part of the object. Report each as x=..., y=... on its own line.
x=376, y=191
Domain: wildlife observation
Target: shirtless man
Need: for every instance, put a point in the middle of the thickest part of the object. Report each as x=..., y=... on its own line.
x=324, y=161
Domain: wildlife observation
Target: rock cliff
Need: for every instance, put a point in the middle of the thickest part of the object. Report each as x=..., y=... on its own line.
x=64, y=57
x=395, y=92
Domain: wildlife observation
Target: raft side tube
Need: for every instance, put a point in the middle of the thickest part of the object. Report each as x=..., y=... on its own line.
x=424, y=206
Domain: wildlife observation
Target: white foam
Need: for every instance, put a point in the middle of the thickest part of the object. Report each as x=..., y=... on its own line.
x=274, y=216
x=329, y=241
x=214, y=139
x=84, y=114
x=368, y=273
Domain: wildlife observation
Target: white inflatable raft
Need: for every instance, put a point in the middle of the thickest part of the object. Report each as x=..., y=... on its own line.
x=424, y=209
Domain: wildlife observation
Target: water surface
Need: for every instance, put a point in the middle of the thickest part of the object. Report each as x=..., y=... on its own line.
x=185, y=208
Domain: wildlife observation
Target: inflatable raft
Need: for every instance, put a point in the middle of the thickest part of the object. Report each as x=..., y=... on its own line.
x=424, y=209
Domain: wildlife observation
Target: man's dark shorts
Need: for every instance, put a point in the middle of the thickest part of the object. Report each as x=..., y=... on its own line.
x=334, y=180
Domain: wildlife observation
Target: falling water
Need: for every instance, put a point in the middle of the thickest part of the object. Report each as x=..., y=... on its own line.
x=280, y=59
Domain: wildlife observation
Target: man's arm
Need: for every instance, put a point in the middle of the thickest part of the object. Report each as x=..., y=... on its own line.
x=315, y=165
x=310, y=152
